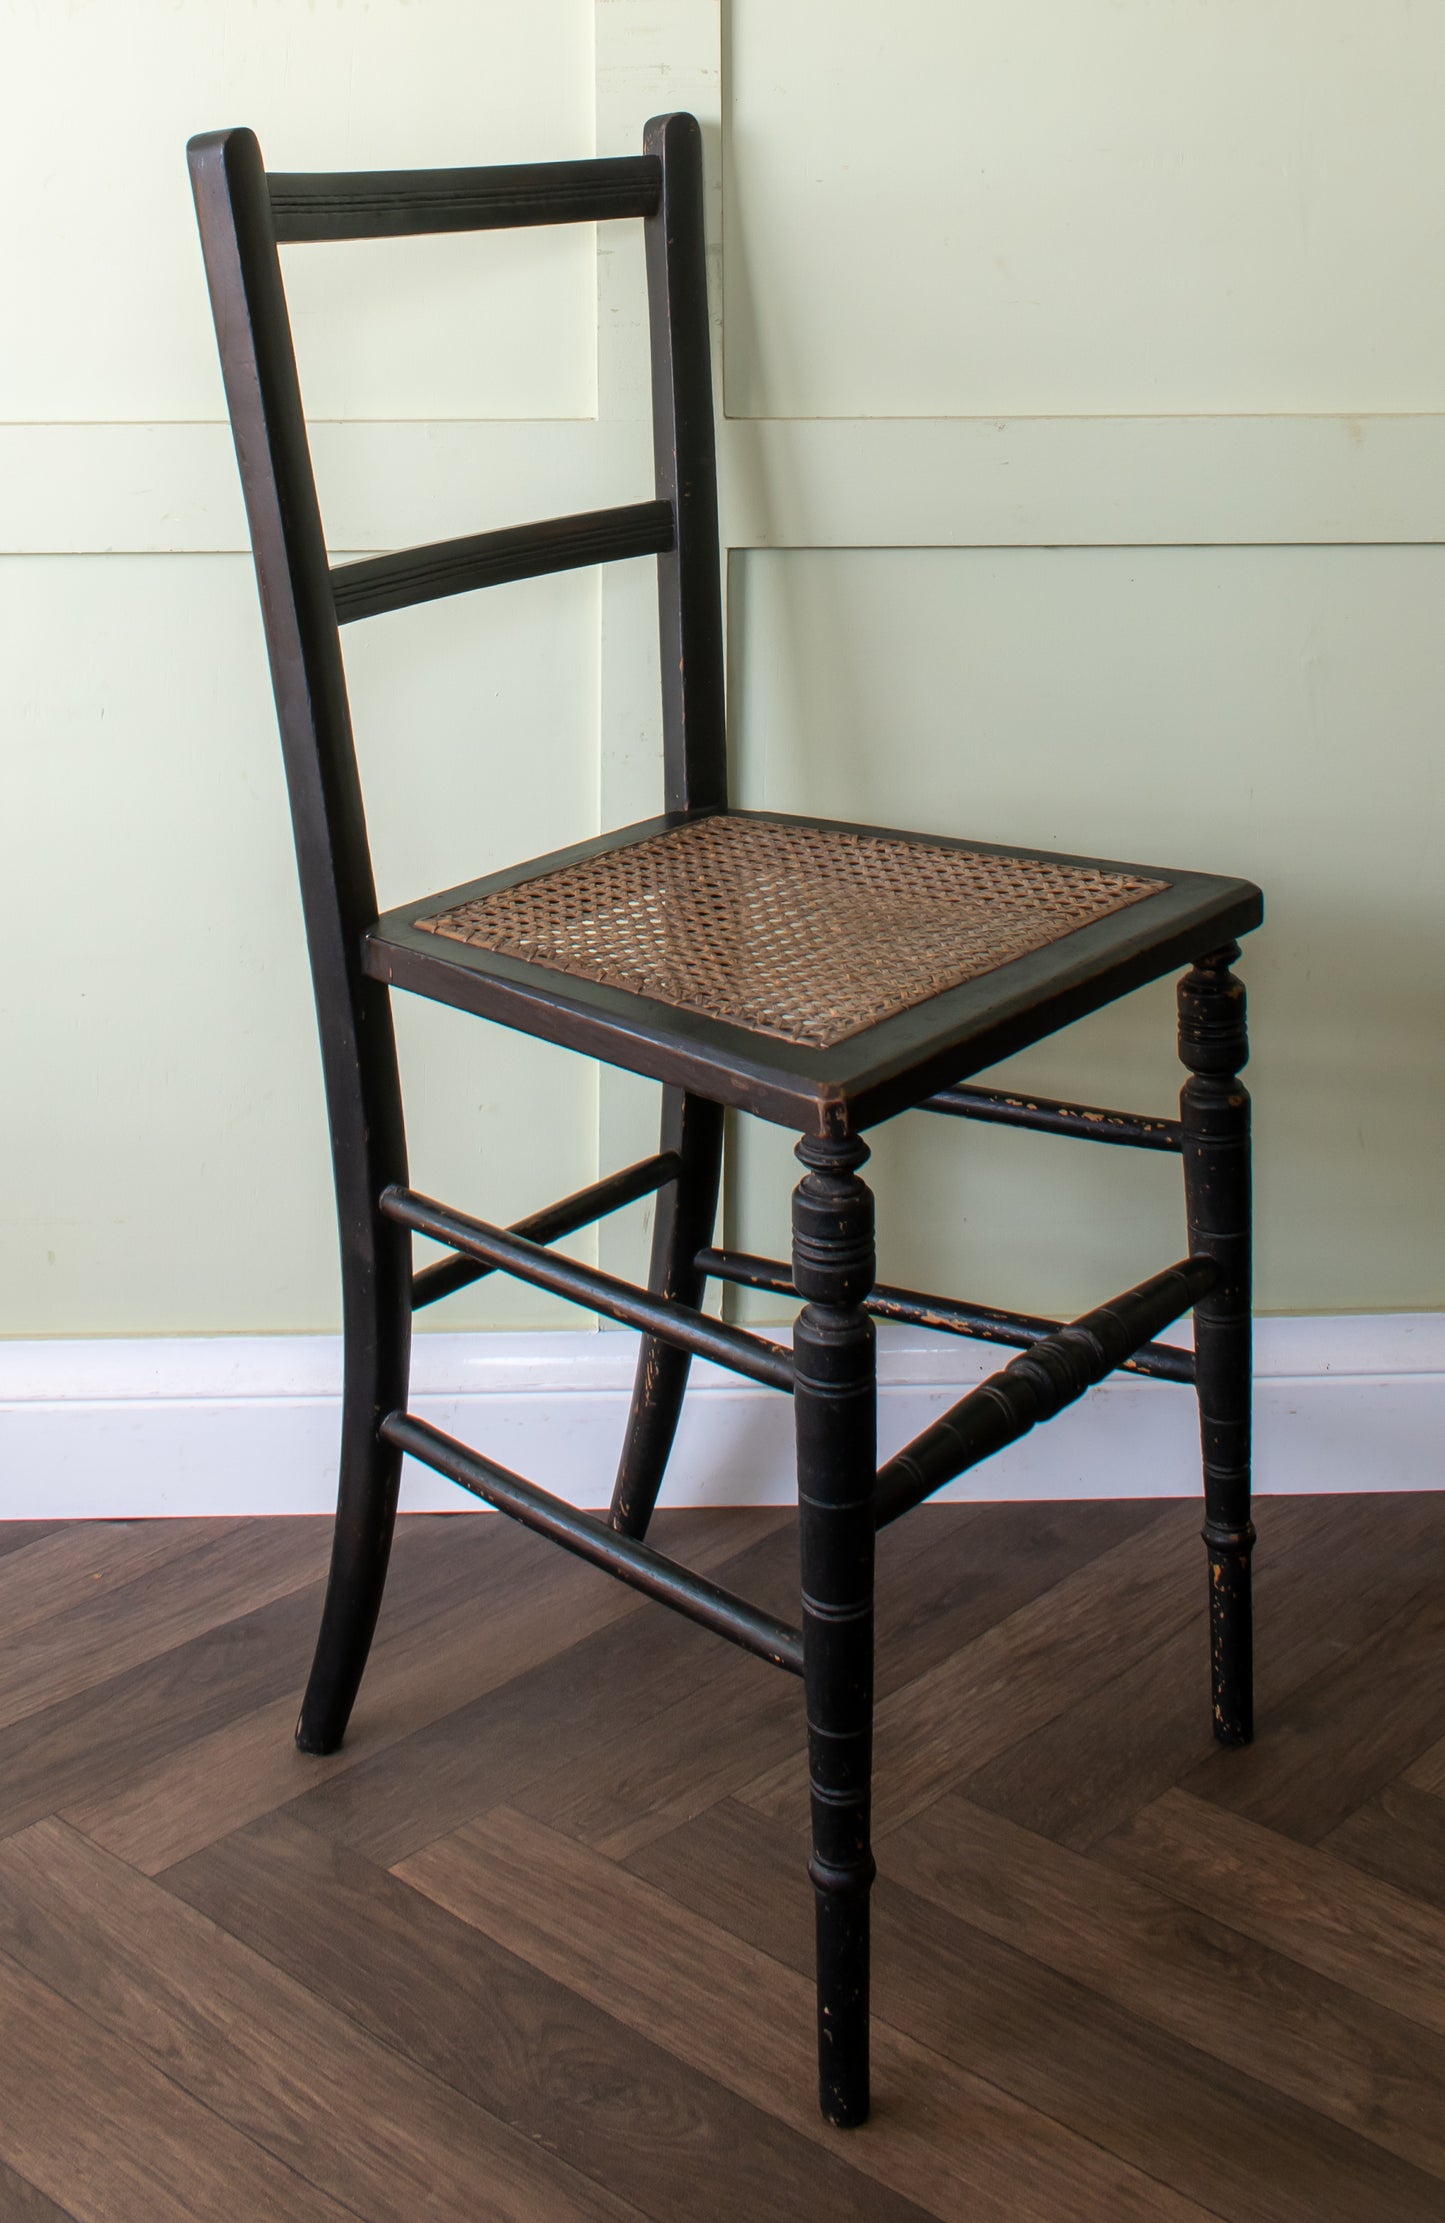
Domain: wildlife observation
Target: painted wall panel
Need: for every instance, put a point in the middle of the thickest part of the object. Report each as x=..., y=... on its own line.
x=959, y=206
x=162, y=1116
x=1268, y=711
x=1041, y=207
x=96, y=104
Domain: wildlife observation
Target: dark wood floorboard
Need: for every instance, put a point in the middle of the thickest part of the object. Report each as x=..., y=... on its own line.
x=495, y=1605
x=1428, y=1772
x=1240, y=2149
x=111, y=2139
x=1322, y=1587
x=1399, y=1836
x=1345, y=1734
x=1198, y=1978
x=1297, y=1899
x=15, y=1535
x=543, y=2058
x=564, y=1719
x=262, y=2051
x=536, y=1945
x=108, y=1745
x=950, y=2140
x=21, y=2203
x=202, y=1580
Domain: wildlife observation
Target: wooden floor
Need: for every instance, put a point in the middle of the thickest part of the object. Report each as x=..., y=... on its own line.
x=537, y=1944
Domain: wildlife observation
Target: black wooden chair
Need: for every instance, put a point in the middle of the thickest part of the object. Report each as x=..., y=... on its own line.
x=823, y=976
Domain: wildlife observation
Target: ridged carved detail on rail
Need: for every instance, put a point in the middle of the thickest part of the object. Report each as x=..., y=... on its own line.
x=379, y=584
x=391, y=204
x=1041, y=1382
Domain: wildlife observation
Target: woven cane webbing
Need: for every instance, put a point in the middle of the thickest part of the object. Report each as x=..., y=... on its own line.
x=793, y=931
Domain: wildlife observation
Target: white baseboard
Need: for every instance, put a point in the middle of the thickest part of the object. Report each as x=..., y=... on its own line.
x=248, y=1424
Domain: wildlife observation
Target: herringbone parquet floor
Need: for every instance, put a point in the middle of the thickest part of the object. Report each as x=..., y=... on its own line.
x=536, y=1945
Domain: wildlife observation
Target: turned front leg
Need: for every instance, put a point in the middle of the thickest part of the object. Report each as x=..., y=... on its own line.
x=833, y=1347
x=1214, y=1111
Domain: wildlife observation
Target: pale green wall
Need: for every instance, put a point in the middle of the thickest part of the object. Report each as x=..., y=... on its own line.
x=1272, y=711
x=1106, y=210
x=169, y=1130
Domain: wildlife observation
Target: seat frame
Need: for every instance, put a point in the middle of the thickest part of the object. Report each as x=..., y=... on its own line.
x=869, y=1076
x=922, y=1058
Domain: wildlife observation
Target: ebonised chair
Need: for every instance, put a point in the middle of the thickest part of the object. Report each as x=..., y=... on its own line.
x=823, y=976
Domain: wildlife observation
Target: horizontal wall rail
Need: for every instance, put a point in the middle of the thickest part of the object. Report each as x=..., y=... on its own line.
x=1034, y=1387
x=633, y=1563
x=390, y=204
x=382, y=583
x=552, y=1223
x=948, y=1315
x=692, y=1331
x=1049, y=1117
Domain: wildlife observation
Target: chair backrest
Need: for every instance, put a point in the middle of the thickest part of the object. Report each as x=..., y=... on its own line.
x=244, y=215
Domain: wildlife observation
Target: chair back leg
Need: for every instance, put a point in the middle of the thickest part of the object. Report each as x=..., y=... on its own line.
x=692, y=1132
x=835, y=1400
x=368, y=1153
x=1214, y=1114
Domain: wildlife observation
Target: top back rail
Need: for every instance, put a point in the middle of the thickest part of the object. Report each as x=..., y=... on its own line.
x=399, y=204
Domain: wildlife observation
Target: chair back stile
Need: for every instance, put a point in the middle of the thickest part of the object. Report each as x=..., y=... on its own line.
x=258, y=364
x=338, y=889
x=685, y=460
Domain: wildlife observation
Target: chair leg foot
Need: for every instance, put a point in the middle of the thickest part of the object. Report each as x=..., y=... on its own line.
x=686, y=1209
x=359, y=1557
x=369, y=1150
x=1214, y=1111
x=365, y=1518
x=843, y=1956
x=835, y=1412
x=1231, y=1632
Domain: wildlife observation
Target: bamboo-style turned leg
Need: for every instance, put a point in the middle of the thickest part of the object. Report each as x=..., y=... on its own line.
x=1214, y=1110
x=835, y=1403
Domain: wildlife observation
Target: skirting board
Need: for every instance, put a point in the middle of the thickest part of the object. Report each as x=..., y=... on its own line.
x=226, y=1425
